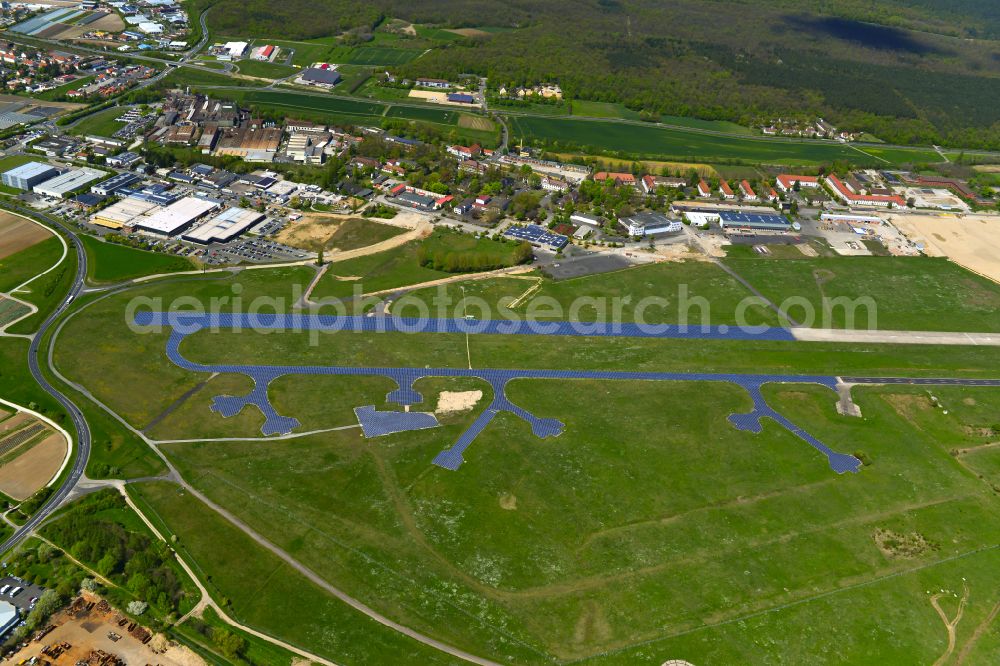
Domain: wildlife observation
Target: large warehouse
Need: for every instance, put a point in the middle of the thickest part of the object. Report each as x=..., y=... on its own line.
x=28, y=175
x=122, y=213
x=66, y=183
x=224, y=227
x=175, y=218
x=117, y=182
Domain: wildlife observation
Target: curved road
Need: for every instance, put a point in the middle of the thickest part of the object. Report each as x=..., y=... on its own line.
x=82, y=452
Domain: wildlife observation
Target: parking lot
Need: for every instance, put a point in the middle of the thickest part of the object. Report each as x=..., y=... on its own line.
x=23, y=600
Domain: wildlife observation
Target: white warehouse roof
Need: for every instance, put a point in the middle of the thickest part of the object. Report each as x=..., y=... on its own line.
x=120, y=214
x=176, y=217
x=225, y=226
x=8, y=617
x=69, y=181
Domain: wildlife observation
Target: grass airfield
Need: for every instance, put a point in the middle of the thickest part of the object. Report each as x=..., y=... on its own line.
x=651, y=529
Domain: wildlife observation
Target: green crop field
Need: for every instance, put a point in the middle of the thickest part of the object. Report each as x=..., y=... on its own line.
x=648, y=141
x=602, y=110
x=892, y=293
x=29, y=262
x=114, y=263
x=429, y=114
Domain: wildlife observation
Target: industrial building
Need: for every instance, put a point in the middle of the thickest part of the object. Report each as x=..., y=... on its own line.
x=318, y=76
x=67, y=182
x=28, y=175
x=115, y=183
x=8, y=617
x=756, y=221
x=175, y=218
x=122, y=213
x=224, y=227
x=650, y=223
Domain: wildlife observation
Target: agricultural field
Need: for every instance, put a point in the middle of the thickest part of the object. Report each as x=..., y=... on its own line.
x=18, y=234
x=585, y=108
x=647, y=141
x=428, y=114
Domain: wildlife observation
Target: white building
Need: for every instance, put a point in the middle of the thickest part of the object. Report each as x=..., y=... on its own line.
x=235, y=49
x=63, y=184
x=224, y=227
x=175, y=218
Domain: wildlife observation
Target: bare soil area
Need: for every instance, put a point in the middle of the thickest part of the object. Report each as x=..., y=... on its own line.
x=971, y=241
x=457, y=401
x=88, y=629
x=29, y=472
x=17, y=233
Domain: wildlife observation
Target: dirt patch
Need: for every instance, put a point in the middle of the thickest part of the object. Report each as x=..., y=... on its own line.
x=897, y=546
x=312, y=232
x=87, y=630
x=971, y=402
x=17, y=233
x=971, y=241
x=4, y=413
x=906, y=404
x=29, y=472
x=469, y=121
x=450, y=402
x=508, y=502
x=807, y=249
x=469, y=32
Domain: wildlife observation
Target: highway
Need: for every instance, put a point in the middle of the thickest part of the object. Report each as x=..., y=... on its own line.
x=82, y=450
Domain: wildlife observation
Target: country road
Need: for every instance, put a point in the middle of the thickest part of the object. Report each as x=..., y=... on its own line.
x=82, y=448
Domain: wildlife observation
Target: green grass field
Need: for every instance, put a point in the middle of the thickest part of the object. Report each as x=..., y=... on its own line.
x=266, y=593
x=108, y=262
x=429, y=114
x=590, y=109
x=56, y=93
x=29, y=262
x=650, y=529
x=266, y=70
x=361, y=232
x=8, y=162
x=371, y=55
x=575, y=549
x=899, y=293
x=103, y=123
x=647, y=141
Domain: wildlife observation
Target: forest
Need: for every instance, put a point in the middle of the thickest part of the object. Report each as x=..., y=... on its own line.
x=904, y=70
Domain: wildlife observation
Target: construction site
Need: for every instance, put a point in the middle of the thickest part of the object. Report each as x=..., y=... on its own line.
x=89, y=632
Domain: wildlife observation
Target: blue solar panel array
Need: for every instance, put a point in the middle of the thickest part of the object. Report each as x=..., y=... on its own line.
x=754, y=219
x=537, y=235
x=405, y=378
x=452, y=458
x=376, y=424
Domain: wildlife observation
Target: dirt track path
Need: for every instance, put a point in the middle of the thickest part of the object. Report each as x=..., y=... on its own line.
x=980, y=630
x=949, y=624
